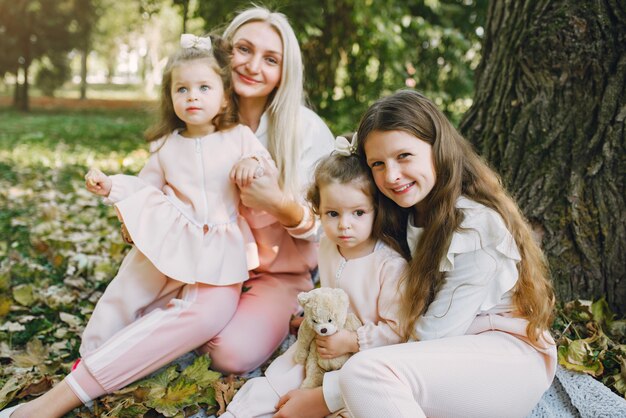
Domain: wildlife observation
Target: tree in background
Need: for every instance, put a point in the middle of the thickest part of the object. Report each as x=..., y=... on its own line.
x=549, y=114
x=33, y=29
x=357, y=50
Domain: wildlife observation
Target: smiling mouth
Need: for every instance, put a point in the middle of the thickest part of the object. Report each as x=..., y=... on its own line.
x=404, y=188
x=247, y=79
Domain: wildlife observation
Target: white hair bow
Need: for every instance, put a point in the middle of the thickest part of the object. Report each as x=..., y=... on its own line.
x=192, y=41
x=345, y=148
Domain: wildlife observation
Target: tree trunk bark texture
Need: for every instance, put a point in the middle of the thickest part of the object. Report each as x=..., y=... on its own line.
x=549, y=115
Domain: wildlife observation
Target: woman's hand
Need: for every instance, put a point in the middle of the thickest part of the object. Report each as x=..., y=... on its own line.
x=264, y=193
x=97, y=182
x=294, y=324
x=302, y=403
x=338, y=344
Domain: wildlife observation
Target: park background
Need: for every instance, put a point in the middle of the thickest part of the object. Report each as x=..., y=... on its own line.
x=537, y=86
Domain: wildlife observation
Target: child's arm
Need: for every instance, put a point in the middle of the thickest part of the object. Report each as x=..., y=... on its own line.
x=386, y=330
x=97, y=182
x=342, y=342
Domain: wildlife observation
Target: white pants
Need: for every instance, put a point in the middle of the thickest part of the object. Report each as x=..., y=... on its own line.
x=258, y=397
x=493, y=374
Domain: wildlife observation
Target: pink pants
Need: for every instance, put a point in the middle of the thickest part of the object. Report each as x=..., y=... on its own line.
x=243, y=330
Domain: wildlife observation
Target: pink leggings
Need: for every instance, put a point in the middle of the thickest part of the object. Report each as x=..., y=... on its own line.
x=242, y=330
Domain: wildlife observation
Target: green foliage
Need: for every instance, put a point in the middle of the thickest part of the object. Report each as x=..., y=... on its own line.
x=592, y=341
x=357, y=50
x=53, y=72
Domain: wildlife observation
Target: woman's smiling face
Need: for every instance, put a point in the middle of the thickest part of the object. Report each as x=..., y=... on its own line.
x=257, y=60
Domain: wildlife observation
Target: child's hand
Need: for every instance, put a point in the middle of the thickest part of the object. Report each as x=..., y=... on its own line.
x=245, y=171
x=97, y=182
x=294, y=324
x=338, y=344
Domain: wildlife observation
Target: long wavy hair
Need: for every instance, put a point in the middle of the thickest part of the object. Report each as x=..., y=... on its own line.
x=459, y=172
x=218, y=58
x=285, y=101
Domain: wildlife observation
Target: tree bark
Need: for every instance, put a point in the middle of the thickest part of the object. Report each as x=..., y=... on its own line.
x=84, y=54
x=549, y=114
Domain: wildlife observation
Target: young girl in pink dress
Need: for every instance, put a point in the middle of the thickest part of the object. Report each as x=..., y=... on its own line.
x=181, y=211
x=352, y=258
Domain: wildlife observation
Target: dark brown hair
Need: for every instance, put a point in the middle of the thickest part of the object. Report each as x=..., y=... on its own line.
x=340, y=169
x=459, y=172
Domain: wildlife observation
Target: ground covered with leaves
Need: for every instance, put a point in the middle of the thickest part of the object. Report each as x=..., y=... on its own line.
x=59, y=247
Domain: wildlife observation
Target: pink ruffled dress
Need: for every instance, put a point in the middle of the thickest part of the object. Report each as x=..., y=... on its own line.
x=182, y=210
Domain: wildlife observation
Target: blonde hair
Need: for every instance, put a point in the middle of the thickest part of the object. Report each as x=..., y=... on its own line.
x=459, y=172
x=284, y=103
x=218, y=58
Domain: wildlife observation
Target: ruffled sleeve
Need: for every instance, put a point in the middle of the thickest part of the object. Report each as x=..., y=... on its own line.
x=151, y=174
x=480, y=266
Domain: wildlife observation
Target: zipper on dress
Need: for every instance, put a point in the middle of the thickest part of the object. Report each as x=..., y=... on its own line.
x=205, y=225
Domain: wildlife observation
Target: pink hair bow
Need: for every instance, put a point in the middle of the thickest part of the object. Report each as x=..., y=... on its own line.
x=192, y=41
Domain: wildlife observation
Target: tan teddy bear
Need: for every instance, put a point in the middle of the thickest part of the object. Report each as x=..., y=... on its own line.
x=325, y=313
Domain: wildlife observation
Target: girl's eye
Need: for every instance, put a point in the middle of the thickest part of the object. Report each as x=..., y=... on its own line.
x=182, y=90
x=271, y=60
x=332, y=214
x=243, y=49
x=205, y=88
x=359, y=213
x=404, y=155
x=376, y=164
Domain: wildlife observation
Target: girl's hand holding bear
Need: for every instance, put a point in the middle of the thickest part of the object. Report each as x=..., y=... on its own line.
x=338, y=344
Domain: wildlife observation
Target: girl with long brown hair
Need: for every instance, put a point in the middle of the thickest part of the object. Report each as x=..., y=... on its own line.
x=476, y=300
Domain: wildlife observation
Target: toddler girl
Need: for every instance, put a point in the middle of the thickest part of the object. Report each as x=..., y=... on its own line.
x=181, y=211
x=351, y=257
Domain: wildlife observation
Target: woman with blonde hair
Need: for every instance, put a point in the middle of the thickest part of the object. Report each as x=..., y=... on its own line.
x=267, y=73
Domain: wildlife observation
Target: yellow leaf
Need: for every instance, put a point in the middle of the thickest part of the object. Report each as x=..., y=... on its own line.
x=23, y=294
x=36, y=354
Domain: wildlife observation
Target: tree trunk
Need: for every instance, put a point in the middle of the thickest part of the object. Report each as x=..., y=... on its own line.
x=83, y=73
x=21, y=96
x=548, y=114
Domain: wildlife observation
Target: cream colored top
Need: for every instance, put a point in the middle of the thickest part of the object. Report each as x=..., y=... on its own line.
x=371, y=283
x=481, y=271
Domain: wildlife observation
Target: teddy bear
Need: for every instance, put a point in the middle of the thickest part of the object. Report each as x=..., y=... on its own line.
x=325, y=313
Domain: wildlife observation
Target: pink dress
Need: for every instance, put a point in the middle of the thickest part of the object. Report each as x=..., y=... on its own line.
x=182, y=211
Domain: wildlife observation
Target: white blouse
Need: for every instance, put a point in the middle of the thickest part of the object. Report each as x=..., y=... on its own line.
x=481, y=271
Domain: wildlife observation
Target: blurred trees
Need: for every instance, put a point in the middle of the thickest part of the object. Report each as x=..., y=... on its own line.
x=33, y=29
x=357, y=50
